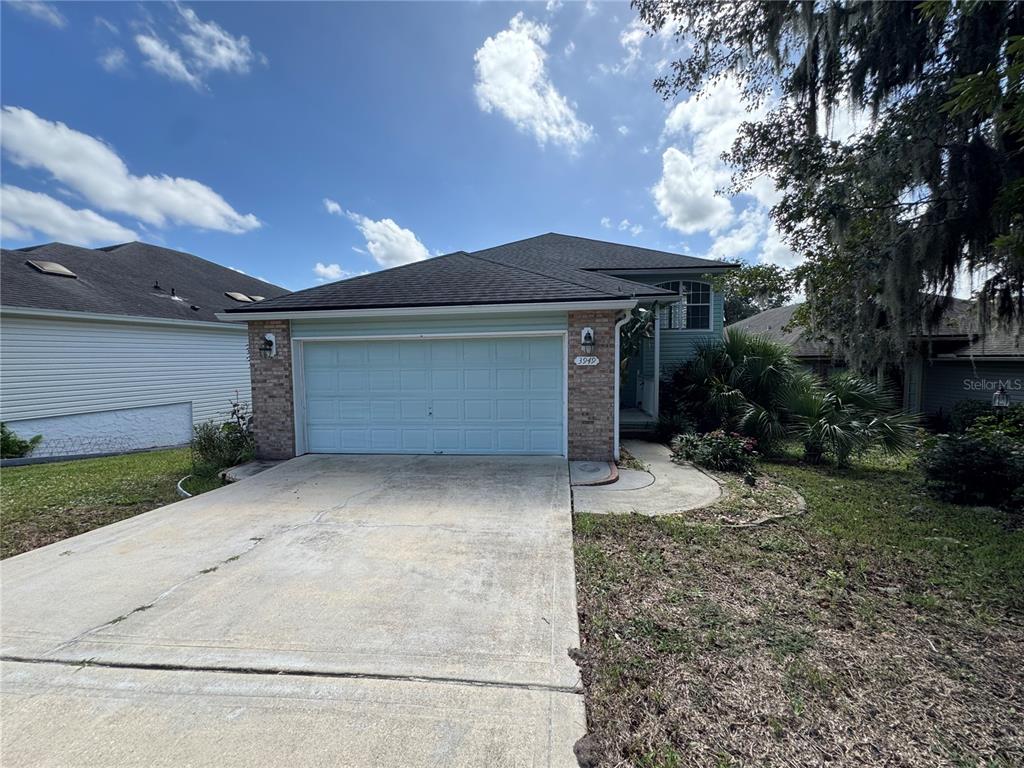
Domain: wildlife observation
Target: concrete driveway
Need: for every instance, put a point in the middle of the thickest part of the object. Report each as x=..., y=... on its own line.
x=334, y=610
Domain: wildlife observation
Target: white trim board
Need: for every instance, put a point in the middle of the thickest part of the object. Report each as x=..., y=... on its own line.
x=460, y=309
x=62, y=314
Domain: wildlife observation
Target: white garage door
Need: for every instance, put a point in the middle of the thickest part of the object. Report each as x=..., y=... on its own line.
x=473, y=396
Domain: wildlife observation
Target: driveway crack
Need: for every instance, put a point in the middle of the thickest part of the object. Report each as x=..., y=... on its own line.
x=292, y=672
x=254, y=542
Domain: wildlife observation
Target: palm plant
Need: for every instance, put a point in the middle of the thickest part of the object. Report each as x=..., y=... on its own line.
x=736, y=383
x=847, y=416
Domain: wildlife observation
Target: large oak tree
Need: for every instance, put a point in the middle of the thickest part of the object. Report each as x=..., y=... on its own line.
x=931, y=190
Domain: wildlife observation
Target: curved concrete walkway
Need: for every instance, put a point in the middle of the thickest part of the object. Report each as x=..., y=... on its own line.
x=665, y=489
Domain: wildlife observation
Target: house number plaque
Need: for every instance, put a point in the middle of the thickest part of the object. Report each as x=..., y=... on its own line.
x=586, y=360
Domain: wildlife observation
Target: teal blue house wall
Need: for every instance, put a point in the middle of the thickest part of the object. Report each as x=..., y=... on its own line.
x=676, y=346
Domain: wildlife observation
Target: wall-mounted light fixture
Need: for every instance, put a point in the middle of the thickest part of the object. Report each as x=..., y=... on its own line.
x=587, y=340
x=268, y=346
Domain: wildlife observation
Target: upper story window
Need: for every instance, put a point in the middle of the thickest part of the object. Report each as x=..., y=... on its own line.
x=692, y=311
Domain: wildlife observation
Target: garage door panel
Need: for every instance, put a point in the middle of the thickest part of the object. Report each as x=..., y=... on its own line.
x=476, y=351
x=446, y=380
x=413, y=410
x=510, y=378
x=414, y=380
x=479, y=410
x=478, y=379
x=379, y=380
x=545, y=378
x=512, y=440
x=546, y=410
x=496, y=395
x=415, y=440
x=545, y=441
x=447, y=439
x=323, y=440
x=352, y=354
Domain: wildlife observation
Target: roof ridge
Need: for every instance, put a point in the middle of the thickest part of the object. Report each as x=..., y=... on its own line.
x=542, y=274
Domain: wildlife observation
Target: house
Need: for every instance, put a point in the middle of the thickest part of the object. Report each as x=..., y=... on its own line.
x=114, y=349
x=508, y=350
x=955, y=362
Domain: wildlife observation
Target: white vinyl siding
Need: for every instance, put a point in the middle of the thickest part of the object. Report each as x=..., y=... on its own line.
x=55, y=367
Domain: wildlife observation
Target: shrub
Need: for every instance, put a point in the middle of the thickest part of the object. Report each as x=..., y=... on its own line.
x=672, y=424
x=14, y=447
x=965, y=412
x=847, y=416
x=219, y=446
x=1010, y=424
x=716, y=450
x=984, y=468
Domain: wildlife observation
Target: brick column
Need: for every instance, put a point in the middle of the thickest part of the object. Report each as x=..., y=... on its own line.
x=273, y=406
x=592, y=388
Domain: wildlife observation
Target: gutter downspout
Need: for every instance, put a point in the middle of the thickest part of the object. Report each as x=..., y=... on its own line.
x=618, y=379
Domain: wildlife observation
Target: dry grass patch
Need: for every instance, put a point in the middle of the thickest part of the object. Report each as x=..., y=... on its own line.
x=877, y=628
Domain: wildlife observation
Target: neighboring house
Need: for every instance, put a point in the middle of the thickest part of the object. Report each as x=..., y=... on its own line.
x=511, y=350
x=113, y=349
x=954, y=362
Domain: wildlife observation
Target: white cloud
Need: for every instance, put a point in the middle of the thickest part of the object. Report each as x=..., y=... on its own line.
x=212, y=48
x=329, y=271
x=570, y=49
x=606, y=222
x=632, y=40
x=389, y=244
x=552, y=6
x=113, y=59
x=710, y=120
x=512, y=78
x=636, y=229
x=623, y=130
x=741, y=239
x=775, y=251
x=685, y=194
x=23, y=213
x=623, y=225
x=332, y=207
x=204, y=47
x=108, y=25
x=43, y=11
x=94, y=170
x=162, y=58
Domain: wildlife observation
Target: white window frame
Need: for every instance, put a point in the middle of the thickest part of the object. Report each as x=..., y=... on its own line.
x=674, y=316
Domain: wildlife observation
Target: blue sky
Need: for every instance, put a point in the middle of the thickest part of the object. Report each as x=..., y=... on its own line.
x=306, y=142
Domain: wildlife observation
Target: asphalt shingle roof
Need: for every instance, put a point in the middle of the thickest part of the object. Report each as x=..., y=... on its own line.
x=958, y=330
x=120, y=279
x=584, y=253
x=541, y=269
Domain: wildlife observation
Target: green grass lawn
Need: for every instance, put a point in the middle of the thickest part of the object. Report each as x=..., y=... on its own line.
x=879, y=627
x=43, y=503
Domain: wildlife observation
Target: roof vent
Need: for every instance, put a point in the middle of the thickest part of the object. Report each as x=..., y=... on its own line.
x=51, y=268
x=239, y=297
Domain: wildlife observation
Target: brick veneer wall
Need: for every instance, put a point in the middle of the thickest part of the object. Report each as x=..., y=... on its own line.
x=592, y=388
x=272, y=400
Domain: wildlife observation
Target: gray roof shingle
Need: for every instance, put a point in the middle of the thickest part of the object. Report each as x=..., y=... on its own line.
x=958, y=331
x=541, y=269
x=120, y=279
x=600, y=255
